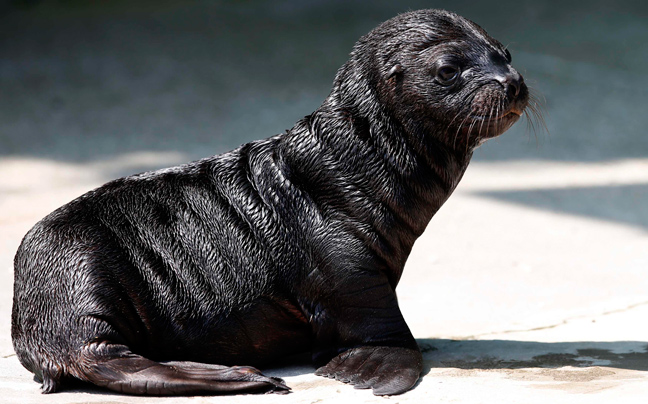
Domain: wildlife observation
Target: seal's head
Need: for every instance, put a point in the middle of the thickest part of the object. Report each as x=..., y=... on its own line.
x=441, y=75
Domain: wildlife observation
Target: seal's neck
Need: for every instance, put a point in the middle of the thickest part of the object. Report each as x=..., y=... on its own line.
x=365, y=170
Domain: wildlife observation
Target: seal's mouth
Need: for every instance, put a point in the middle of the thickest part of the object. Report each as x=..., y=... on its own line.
x=489, y=126
x=501, y=123
x=512, y=113
x=492, y=111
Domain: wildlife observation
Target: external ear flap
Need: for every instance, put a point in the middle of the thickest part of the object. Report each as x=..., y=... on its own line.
x=397, y=69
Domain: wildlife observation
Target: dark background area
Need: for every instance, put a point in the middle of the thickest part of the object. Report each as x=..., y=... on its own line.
x=87, y=80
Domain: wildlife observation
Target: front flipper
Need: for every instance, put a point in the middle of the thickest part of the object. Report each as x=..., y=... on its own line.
x=362, y=337
x=387, y=370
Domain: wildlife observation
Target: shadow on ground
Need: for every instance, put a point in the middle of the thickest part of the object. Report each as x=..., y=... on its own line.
x=617, y=203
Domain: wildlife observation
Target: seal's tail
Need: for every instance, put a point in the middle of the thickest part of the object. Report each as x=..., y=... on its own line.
x=114, y=367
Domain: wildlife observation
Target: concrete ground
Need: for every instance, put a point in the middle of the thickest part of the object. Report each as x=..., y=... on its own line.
x=529, y=285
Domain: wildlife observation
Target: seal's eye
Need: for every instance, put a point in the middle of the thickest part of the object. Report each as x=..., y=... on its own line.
x=447, y=75
x=508, y=55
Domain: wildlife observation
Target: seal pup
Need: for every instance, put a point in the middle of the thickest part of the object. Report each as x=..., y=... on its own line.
x=164, y=282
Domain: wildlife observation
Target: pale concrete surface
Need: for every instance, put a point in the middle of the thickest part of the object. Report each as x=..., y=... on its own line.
x=509, y=302
x=530, y=285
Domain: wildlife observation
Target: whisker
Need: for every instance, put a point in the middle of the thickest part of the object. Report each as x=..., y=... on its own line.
x=470, y=129
x=498, y=107
x=467, y=116
x=497, y=112
x=535, y=116
x=458, y=129
x=481, y=125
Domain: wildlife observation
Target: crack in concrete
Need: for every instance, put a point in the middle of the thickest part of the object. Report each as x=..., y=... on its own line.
x=564, y=322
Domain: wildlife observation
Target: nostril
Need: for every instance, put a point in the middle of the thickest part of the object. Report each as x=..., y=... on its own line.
x=513, y=89
x=513, y=83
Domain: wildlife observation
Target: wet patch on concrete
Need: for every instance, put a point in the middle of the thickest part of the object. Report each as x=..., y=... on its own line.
x=628, y=360
x=505, y=354
x=489, y=362
x=573, y=367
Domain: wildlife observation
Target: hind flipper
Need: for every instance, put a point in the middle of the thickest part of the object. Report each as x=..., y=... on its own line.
x=116, y=368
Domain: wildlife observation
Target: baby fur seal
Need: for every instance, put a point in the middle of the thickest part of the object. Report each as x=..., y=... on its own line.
x=161, y=283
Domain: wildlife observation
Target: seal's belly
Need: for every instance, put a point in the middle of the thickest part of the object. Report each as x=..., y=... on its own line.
x=259, y=333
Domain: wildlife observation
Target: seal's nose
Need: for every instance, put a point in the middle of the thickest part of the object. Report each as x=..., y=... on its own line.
x=512, y=83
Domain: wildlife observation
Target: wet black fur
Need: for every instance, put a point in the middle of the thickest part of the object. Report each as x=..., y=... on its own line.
x=282, y=245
